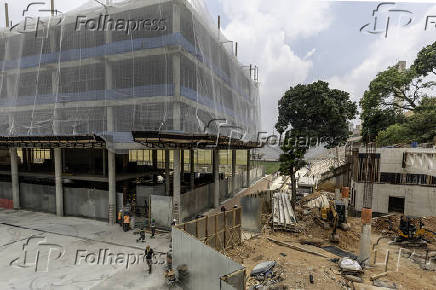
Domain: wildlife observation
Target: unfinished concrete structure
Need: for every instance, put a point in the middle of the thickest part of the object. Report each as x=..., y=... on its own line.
x=406, y=181
x=84, y=92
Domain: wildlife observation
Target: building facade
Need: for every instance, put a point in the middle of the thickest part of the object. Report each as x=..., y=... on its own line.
x=405, y=181
x=83, y=92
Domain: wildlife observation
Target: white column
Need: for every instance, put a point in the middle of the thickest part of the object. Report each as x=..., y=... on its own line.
x=233, y=171
x=15, y=180
x=365, y=243
x=216, y=177
x=112, y=188
x=58, y=181
x=176, y=187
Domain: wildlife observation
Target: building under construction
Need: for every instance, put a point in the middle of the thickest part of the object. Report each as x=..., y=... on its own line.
x=109, y=105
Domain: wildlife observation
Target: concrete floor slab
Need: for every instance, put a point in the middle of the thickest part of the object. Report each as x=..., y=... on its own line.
x=39, y=250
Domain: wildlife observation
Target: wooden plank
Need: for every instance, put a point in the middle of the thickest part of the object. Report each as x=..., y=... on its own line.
x=297, y=248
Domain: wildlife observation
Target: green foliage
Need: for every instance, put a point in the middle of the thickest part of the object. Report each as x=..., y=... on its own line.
x=311, y=111
x=393, y=91
x=420, y=127
x=426, y=61
x=394, y=134
x=315, y=110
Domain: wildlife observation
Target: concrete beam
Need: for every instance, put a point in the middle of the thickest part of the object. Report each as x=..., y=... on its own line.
x=233, y=171
x=15, y=180
x=58, y=181
x=112, y=188
x=167, y=172
x=192, y=168
x=216, y=177
x=176, y=187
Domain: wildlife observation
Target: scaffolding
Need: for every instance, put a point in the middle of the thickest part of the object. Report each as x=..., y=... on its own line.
x=109, y=70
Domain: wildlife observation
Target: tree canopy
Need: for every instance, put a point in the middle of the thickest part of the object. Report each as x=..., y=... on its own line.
x=396, y=91
x=311, y=111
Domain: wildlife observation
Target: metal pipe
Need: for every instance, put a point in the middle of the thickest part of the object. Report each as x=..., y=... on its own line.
x=52, y=7
x=236, y=50
x=219, y=22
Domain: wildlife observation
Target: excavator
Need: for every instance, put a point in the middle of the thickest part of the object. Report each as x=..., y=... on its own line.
x=409, y=235
x=335, y=216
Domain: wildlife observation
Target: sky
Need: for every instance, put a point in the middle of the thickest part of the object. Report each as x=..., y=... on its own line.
x=302, y=41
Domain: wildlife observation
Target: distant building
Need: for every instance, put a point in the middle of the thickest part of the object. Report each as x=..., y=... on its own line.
x=405, y=183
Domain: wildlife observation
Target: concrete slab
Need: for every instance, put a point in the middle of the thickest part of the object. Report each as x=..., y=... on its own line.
x=39, y=250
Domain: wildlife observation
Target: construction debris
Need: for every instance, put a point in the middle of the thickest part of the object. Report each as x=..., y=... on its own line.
x=283, y=214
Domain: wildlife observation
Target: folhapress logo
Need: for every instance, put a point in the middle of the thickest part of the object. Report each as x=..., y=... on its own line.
x=37, y=254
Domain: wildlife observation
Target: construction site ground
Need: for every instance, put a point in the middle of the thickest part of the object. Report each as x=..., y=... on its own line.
x=295, y=267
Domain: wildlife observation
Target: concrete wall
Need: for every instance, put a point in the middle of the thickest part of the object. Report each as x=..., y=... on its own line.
x=6, y=190
x=38, y=197
x=85, y=202
x=251, y=213
x=196, y=201
x=420, y=160
x=420, y=201
x=143, y=192
x=162, y=210
x=205, y=265
x=6, y=195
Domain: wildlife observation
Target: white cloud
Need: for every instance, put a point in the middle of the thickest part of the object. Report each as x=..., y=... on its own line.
x=263, y=29
x=403, y=44
x=310, y=53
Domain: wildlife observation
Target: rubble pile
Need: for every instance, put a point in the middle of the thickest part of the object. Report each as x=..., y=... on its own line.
x=387, y=225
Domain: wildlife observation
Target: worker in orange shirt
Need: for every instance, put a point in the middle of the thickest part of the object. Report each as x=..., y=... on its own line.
x=126, y=223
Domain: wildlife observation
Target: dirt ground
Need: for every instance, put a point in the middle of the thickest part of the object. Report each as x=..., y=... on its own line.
x=295, y=267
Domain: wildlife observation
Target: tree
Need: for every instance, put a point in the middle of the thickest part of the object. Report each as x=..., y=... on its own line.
x=311, y=111
x=395, y=91
x=425, y=63
x=419, y=127
x=394, y=134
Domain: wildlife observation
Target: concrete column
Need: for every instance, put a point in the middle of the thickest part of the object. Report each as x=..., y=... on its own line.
x=154, y=162
x=58, y=181
x=365, y=243
x=112, y=188
x=176, y=187
x=182, y=165
x=365, y=237
x=233, y=171
x=248, y=168
x=192, y=168
x=216, y=177
x=167, y=172
x=15, y=179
